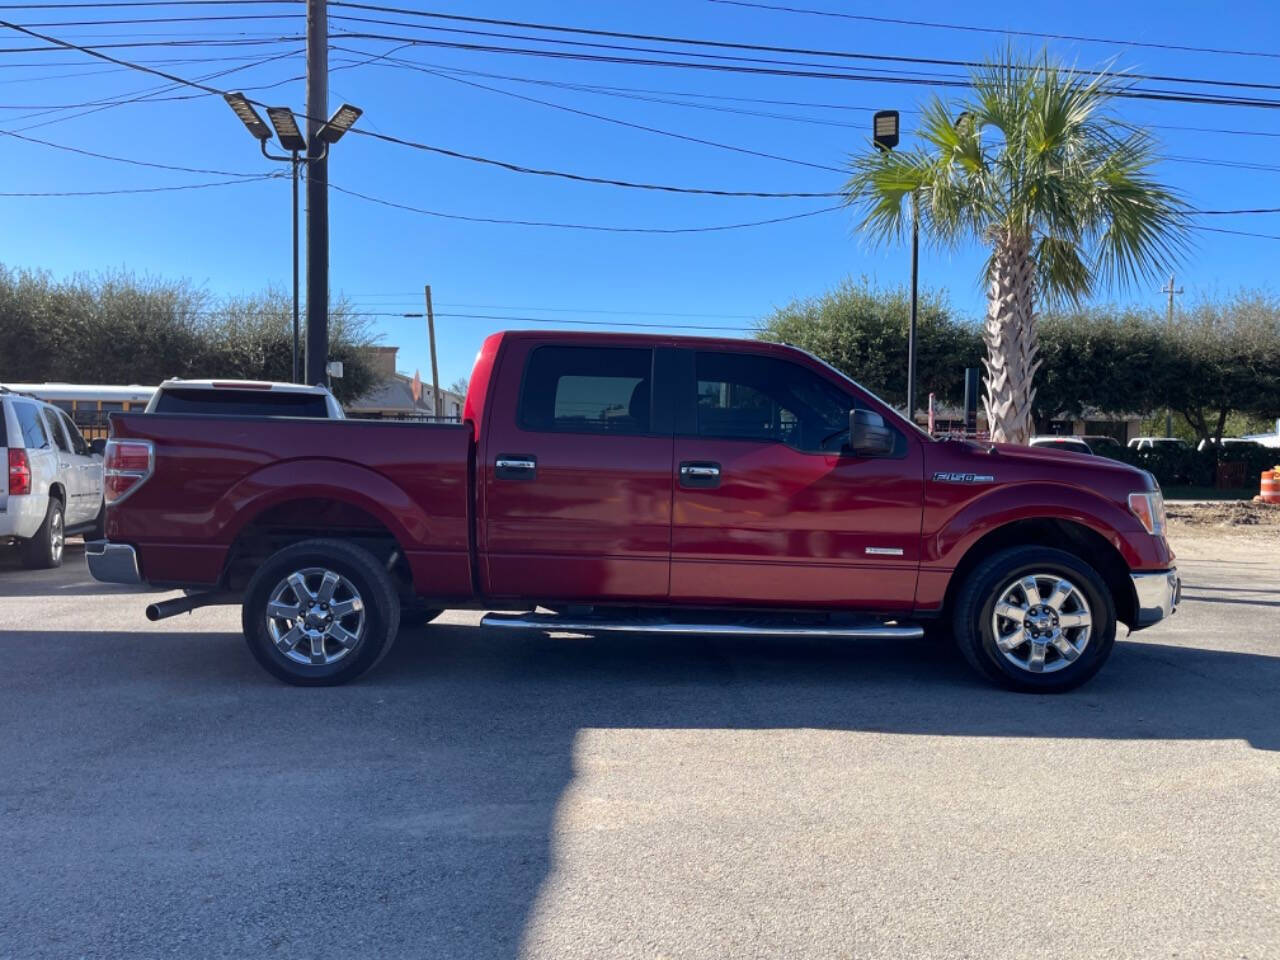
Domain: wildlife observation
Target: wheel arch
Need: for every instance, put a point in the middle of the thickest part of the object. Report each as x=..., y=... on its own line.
x=1061, y=534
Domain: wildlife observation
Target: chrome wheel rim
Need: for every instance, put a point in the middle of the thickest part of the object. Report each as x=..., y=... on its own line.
x=315, y=616
x=56, y=536
x=1042, y=623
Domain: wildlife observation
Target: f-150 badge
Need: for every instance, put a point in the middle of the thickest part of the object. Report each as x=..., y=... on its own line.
x=947, y=477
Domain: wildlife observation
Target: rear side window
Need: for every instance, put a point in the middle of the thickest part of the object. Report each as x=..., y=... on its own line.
x=32, y=425
x=587, y=390
x=51, y=422
x=73, y=434
x=242, y=403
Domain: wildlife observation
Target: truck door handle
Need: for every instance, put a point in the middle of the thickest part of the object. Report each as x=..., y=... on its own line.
x=699, y=473
x=515, y=466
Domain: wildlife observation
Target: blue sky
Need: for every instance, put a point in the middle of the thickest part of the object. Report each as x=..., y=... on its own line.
x=233, y=239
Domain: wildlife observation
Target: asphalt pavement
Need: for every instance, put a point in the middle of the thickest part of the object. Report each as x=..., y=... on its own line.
x=492, y=795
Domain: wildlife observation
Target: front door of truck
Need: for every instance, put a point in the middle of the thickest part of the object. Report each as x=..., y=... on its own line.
x=770, y=506
x=576, y=474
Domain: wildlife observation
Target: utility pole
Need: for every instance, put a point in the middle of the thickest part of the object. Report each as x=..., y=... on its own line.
x=317, y=354
x=1168, y=414
x=435, y=372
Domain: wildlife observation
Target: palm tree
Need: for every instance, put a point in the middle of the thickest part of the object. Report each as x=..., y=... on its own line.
x=1032, y=164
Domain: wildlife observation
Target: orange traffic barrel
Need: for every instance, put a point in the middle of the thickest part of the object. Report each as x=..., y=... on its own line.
x=1271, y=486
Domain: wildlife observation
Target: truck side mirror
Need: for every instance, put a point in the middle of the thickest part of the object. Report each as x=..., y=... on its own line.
x=868, y=436
x=98, y=446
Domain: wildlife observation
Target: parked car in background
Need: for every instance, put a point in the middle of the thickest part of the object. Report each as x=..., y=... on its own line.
x=1074, y=444
x=643, y=484
x=1227, y=443
x=1154, y=443
x=245, y=398
x=52, y=484
x=1101, y=445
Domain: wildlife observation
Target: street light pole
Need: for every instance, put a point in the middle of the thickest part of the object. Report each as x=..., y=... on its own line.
x=327, y=134
x=884, y=134
x=296, y=372
x=915, y=287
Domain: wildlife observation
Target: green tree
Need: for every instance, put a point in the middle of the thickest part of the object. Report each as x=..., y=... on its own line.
x=1225, y=359
x=1105, y=359
x=863, y=332
x=1033, y=164
x=120, y=328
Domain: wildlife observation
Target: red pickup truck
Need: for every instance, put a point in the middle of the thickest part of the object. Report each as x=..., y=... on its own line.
x=640, y=483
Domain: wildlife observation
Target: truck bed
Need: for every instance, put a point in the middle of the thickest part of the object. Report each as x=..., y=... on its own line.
x=223, y=482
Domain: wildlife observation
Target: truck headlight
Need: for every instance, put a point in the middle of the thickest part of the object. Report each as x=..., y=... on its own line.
x=1148, y=507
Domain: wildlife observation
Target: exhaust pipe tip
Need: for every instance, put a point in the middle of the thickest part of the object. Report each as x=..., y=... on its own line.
x=153, y=612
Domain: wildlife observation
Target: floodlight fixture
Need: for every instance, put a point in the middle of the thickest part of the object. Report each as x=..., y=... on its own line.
x=343, y=119
x=287, y=131
x=884, y=129
x=248, y=116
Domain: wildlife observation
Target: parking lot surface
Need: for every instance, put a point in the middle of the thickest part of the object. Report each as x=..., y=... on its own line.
x=490, y=795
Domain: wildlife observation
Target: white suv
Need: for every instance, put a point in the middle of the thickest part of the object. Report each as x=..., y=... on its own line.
x=51, y=482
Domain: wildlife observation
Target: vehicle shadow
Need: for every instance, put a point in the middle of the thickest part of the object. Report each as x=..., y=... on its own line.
x=413, y=812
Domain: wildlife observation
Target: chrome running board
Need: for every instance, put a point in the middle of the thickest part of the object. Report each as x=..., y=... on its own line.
x=747, y=627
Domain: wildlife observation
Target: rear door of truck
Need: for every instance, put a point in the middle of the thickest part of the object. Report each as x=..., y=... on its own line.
x=576, y=469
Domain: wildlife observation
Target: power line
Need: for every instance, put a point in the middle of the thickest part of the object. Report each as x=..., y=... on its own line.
x=607, y=119
x=139, y=3
x=1131, y=93
x=129, y=160
x=765, y=48
x=635, y=93
x=1241, y=233
x=108, y=193
x=581, y=226
x=416, y=295
x=557, y=320
x=998, y=30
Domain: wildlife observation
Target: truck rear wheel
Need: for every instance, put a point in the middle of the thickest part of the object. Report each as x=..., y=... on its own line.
x=320, y=613
x=1035, y=619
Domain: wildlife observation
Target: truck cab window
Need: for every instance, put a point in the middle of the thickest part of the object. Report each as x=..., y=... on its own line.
x=587, y=390
x=749, y=397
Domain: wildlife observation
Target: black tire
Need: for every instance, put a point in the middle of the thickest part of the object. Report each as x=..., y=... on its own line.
x=44, y=550
x=973, y=613
x=365, y=576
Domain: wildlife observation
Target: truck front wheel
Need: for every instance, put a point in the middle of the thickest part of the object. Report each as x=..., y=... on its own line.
x=320, y=613
x=1035, y=619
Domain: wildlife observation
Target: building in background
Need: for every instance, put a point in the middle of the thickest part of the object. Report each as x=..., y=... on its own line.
x=393, y=397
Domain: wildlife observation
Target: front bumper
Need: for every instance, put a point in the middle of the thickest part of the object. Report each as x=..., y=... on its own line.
x=112, y=562
x=1158, y=595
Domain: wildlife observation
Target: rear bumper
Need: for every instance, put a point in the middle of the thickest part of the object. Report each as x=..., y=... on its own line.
x=112, y=562
x=1158, y=595
x=22, y=515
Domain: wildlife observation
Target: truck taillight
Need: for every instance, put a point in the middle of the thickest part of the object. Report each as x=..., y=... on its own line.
x=126, y=466
x=19, y=472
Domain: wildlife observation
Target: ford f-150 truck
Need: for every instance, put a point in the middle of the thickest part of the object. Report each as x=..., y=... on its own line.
x=615, y=482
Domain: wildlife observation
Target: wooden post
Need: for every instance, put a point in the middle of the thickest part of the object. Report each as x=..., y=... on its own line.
x=435, y=372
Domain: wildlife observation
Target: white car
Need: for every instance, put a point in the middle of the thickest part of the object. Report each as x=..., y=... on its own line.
x=245, y=398
x=52, y=484
x=1153, y=443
